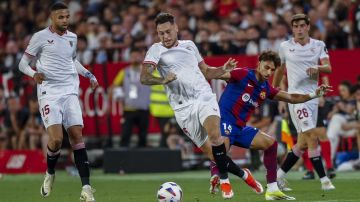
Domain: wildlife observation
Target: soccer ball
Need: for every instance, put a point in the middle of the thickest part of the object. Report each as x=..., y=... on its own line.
x=169, y=192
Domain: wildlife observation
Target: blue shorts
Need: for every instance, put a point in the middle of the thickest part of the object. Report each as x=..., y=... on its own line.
x=239, y=136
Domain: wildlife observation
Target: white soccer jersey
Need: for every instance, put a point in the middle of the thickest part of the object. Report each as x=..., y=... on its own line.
x=55, y=59
x=182, y=60
x=298, y=59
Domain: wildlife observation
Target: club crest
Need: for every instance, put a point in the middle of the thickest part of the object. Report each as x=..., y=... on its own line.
x=263, y=95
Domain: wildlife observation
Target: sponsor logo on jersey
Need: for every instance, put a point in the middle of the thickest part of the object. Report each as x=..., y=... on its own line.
x=246, y=98
x=263, y=95
x=50, y=41
x=292, y=50
x=71, y=43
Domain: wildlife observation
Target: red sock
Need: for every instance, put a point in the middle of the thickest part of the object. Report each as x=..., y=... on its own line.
x=270, y=162
x=326, y=153
x=307, y=162
x=214, y=170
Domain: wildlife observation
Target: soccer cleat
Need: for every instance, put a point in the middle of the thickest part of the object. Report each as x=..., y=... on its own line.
x=214, y=184
x=277, y=195
x=283, y=184
x=46, y=187
x=309, y=175
x=331, y=173
x=253, y=184
x=226, y=190
x=327, y=186
x=87, y=194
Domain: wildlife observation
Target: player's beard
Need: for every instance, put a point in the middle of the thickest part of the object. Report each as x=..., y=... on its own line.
x=61, y=28
x=171, y=44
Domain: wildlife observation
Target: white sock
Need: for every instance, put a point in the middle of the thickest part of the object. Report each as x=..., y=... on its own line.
x=224, y=181
x=280, y=173
x=272, y=187
x=324, y=179
x=245, y=176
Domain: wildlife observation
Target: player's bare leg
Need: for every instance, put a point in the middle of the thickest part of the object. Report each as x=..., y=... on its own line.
x=53, y=153
x=262, y=141
x=212, y=127
x=82, y=163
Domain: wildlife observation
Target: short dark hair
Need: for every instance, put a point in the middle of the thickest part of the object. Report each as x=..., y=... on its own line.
x=164, y=18
x=298, y=17
x=58, y=6
x=270, y=56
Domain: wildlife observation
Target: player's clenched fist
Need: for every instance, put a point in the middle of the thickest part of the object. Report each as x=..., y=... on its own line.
x=94, y=84
x=39, y=78
x=169, y=78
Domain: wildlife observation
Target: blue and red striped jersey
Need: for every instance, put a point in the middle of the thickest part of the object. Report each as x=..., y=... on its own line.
x=242, y=94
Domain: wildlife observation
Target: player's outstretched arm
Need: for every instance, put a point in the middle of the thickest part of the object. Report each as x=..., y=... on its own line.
x=218, y=72
x=295, y=98
x=25, y=68
x=147, y=78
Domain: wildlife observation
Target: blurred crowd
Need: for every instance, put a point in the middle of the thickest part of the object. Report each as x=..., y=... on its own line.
x=120, y=30
x=107, y=30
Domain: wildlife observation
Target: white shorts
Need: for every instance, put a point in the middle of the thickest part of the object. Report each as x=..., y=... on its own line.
x=192, y=117
x=63, y=110
x=304, y=115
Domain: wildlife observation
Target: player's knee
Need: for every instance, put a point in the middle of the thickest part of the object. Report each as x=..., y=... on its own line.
x=269, y=143
x=216, y=140
x=55, y=143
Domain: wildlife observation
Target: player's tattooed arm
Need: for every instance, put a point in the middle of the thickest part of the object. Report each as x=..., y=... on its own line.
x=147, y=77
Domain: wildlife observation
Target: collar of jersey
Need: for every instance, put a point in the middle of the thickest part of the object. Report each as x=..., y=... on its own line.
x=52, y=31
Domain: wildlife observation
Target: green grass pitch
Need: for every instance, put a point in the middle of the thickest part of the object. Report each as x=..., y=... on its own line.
x=143, y=188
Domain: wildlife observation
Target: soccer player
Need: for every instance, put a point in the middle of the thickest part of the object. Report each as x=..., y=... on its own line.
x=54, y=49
x=246, y=90
x=301, y=56
x=184, y=73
